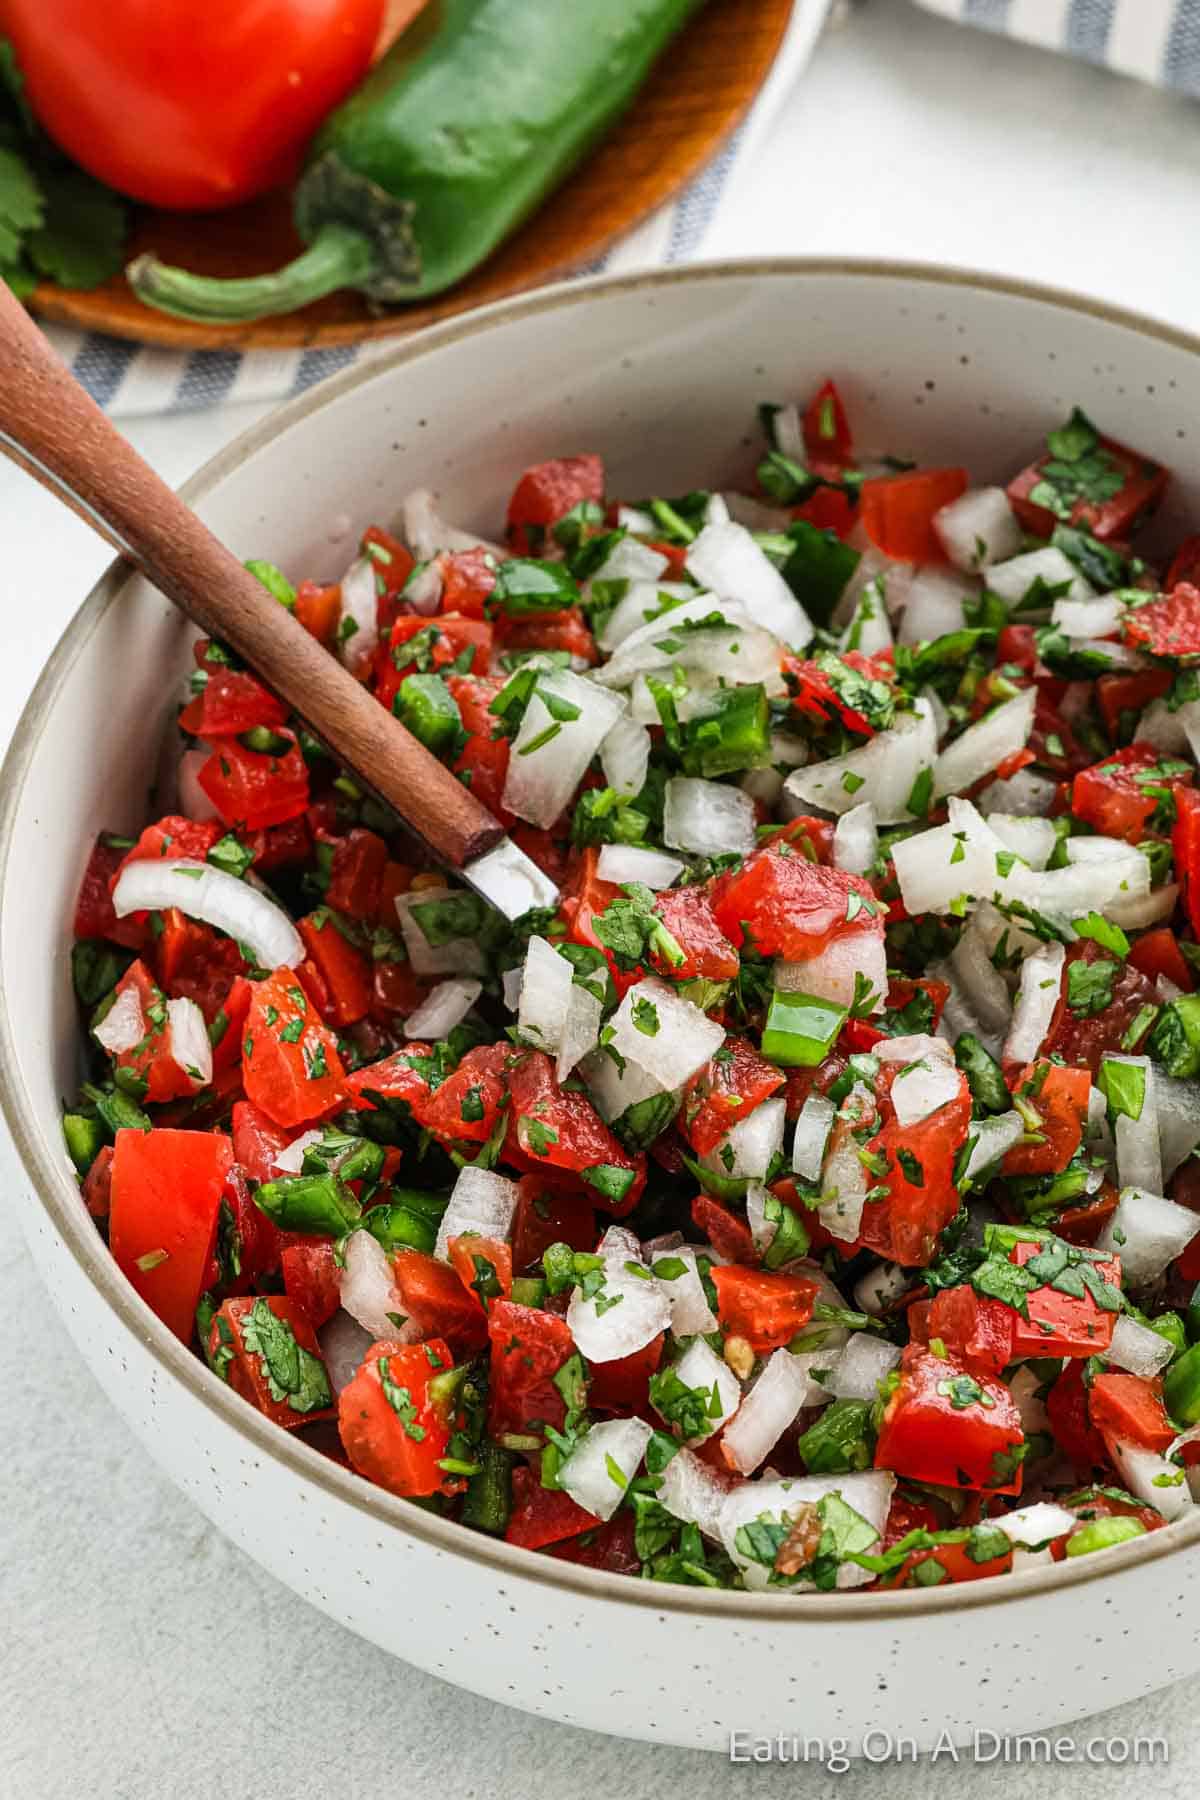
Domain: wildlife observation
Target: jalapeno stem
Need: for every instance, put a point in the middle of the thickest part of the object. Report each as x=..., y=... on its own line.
x=338, y=257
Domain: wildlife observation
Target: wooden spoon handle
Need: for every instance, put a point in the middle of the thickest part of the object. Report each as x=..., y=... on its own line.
x=52, y=428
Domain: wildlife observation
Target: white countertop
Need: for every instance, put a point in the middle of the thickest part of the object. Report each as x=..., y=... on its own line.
x=143, y=1656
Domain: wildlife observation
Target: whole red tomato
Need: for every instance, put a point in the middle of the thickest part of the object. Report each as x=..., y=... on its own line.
x=183, y=105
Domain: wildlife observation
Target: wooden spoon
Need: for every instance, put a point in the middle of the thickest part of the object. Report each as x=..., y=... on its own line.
x=51, y=427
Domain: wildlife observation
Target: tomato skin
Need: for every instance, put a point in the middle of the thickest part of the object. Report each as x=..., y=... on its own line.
x=452, y=636
x=1129, y=1409
x=688, y=915
x=94, y=915
x=544, y=1217
x=468, y=577
x=462, y=1252
x=542, y=1516
x=1185, y=845
x=356, y=876
x=319, y=609
x=97, y=1184
x=1070, y=1421
x=567, y=630
x=925, y=1436
x=481, y=1075
x=373, y=1434
x=612, y=1547
x=246, y=1373
x=276, y=1070
x=791, y=907
x=897, y=511
x=905, y=1224
x=434, y=1296
x=1168, y=627
x=729, y=1236
x=344, y=971
x=166, y=1193
x=231, y=700
x=623, y=1385
x=573, y=1137
x=1109, y=796
x=766, y=1309
x=394, y=1079
x=1062, y=1324
x=192, y=962
x=1142, y=488
x=1129, y=694
x=977, y=1331
x=1157, y=953
x=545, y=493
x=1084, y=1041
x=483, y=757
x=1061, y=1098
x=726, y=1090
x=829, y=509
x=310, y=1278
x=528, y=1348
x=252, y=788
x=188, y=109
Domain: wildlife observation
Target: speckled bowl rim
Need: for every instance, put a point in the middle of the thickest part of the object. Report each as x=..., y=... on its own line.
x=60, y=1197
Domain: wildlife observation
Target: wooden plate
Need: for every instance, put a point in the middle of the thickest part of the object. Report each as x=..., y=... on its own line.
x=695, y=98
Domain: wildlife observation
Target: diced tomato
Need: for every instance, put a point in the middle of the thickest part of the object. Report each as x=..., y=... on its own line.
x=947, y=1425
x=546, y=493
x=829, y=509
x=393, y=560
x=1120, y=795
x=826, y=428
x=1018, y=644
x=688, y=915
x=390, y=1427
x=765, y=1309
x=1104, y=1503
x=1157, y=953
x=544, y=1217
x=281, y=846
x=175, y=836
x=1128, y=1409
x=729, y=1236
x=812, y=837
x=1070, y=1421
x=978, y=1332
x=290, y=1062
x=612, y=1546
x=528, y=1348
x=319, y=609
x=253, y=788
x=1117, y=515
x=1060, y=1096
x=567, y=630
x=484, y=757
x=1168, y=627
x=433, y=1295
x=97, y=1183
x=193, y=962
x=584, y=896
x=267, y=1349
x=356, y=875
x=152, y=1057
x=230, y=701
x=725, y=1090
x=344, y=970
x=166, y=1195
x=395, y=990
x=1123, y=698
x=482, y=1263
x=814, y=696
x=466, y=1106
x=623, y=1385
x=1185, y=847
x=396, y=879
x=1083, y=1224
x=542, y=1516
x=310, y=1278
x=552, y=1130
x=954, y=1558
x=902, y=992
x=790, y=907
x=1060, y=1324
x=442, y=641
x=398, y=1078
x=1082, y=1039
x=1185, y=566
x=468, y=577
x=897, y=511
x=94, y=915
x=922, y=1198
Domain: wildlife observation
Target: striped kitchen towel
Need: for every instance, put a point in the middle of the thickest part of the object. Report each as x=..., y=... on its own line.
x=130, y=379
x=1157, y=40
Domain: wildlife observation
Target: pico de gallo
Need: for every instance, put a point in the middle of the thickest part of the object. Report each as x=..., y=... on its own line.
x=809, y=1199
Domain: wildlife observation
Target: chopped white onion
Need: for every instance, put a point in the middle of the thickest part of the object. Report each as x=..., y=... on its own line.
x=700, y=1367
x=1137, y=911
x=457, y=956
x=691, y=1315
x=1163, y=728
x=994, y=1138
x=124, y=1024
x=603, y=1463
x=1033, y=1527
x=343, y=1343
x=856, y=840
x=290, y=1161
x=358, y=632
x=613, y=1088
x=1139, y=1157
x=982, y=747
x=641, y=648
x=631, y=560
x=201, y=891
x=1096, y=618
x=865, y=1361
x=189, y=1041
x=707, y=818
x=1024, y=793
x=875, y=1290
x=978, y=528
x=194, y=803
x=869, y=631
x=726, y=560
x=812, y=1134
x=423, y=589
x=748, y=1148
x=1032, y=838
x=1136, y=1348
x=882, y=771
x=843, y=1186
x=983, y=985
x=550, y=755
x=630, y=862
x=581, y=1029
x=640, y=1312
x=964, y=857
x=1037, y=997
x=426, y=532
x=1013, y=578
x=923, y=1088
x=958, y=1015
x=510, y=983
x=444, y=1007
x=1178, y=1119
x=663, y=1033
x=868, y=1494
x=1147, y=1232
x=693, y=1491
x=837, y=974
x=912, y=1046
x=480, y=1202
x=625, y=757
x=765, y=1414
x=368, y=1289
x=933, y=606
x=1150, y=1478
x=1026, y=1388
x=546, y=983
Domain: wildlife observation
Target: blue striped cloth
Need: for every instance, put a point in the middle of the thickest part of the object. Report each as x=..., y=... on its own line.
x=129, y=379
x=1156, y=40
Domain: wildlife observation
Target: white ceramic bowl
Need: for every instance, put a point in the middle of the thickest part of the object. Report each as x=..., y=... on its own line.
x=661, y=374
